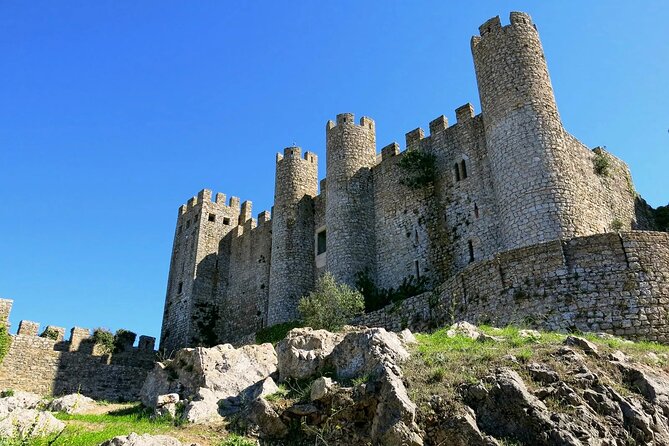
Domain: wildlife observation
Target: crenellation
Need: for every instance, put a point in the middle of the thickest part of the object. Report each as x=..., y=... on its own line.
x=52, y=330
x=28, y=328
x=147, y=343
x=234, y=202
x=511, y=197
x=77, y=336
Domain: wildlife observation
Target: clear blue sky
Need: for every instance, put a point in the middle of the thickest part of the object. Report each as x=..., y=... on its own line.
x=112, y=114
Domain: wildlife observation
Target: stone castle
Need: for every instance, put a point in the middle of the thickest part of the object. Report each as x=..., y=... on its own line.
x=505, y=202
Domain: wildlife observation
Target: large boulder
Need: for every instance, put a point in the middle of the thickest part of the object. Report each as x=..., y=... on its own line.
x=29, y=423
x=73, y=404
x=369, y=351
x=305, y=352
x=19, y=400
x=203, y=377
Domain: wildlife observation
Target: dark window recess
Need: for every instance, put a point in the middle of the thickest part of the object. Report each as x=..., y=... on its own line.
x=417, y=269
x=476, y=211
x=212, y=217
x=180, y=229
x=456, y=168
x=180, y=288
x=195, y=218
x=226, y=221
x=471, y=251
x=321, y=243
x=187, y=224
x=463, y=169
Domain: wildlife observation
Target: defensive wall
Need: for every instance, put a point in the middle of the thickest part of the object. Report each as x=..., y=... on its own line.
x=616, y=283
x=56, y=367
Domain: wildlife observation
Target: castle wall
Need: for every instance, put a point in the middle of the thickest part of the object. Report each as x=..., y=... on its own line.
x=614, y=283
x=244, y=303
x=58, y=367
x=193, y=267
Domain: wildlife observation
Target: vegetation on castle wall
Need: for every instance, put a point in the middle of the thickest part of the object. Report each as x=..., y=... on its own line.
x=104, y=339
x=662, y=218
x=5, y=342
x=331, y=305
x=420, y=168
x=377, y=298
x=601, y=163
x=122, y=338
x=50, y=333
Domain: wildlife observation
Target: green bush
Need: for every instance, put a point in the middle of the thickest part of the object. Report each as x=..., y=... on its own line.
x=104, y=339
x=662, y=218
x=122, y=338
x=420, y=168
x=601, y=163
x=275, y=333
x=616, y=225
x=50, y=333
x=5, y=342
x=7, y=393
x=331, y=305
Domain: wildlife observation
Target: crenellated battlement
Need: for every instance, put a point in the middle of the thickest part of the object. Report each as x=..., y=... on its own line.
x=494, y=25
x=295, y=153
x=205, y=196
x=348, y=119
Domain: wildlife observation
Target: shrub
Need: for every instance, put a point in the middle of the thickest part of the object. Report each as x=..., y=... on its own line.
x=5, y=342
x=7, y=393
x=420, y=168
x=377, y=298
x=104, y=339
x=50, y=333
x=331, y=305
x=275, y=333
x=122, y=338
x=616, y=225
x=601, y=163
x=662, y=218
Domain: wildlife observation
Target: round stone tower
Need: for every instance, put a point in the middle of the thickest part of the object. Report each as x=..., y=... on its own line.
x=526, y=142
x=292, y=261
x=351, y=152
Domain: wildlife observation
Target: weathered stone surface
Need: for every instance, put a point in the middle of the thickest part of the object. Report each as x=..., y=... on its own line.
x=368, y=351
x=582, y=343
x=19, y=400
x=305, y=352
x=143, y=440
x=267, y=420
x=72, y=404
x=28, y=423
x=465, y=329
x=321, y=388
x=542, y=373
x=203, y=377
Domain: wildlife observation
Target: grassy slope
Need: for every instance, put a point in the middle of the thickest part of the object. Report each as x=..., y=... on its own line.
x=439, y=364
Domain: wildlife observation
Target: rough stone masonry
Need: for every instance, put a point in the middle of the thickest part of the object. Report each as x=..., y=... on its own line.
x=508, y=183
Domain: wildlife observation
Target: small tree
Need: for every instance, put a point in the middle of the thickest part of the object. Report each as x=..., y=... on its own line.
x=331, y=305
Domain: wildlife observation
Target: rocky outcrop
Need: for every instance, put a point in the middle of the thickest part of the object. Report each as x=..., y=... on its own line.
x=29, y=423
x=305, y=352
x=19, y=400
x=73, y=404
x=205, y=379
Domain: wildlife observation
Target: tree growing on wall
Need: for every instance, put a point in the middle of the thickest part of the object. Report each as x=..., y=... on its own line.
x=331, y=305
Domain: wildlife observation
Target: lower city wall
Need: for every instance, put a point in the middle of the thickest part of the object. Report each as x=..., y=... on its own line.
x=616, y=283
x=57, y=367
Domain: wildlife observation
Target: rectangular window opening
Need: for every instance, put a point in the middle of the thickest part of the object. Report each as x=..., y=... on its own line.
x=471, y=251
x=180, y=287
x=321, y=243
x=212, y=217
x=226, y=221
x=417, y=269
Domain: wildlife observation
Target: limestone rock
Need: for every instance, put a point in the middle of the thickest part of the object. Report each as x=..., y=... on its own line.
x=305, y=352
x=19, y=400
x=28, y=423
x=465, y=329
x=532, y=334
x=542, y=373
x=394, y=421
x=407, y=337
x=73, y=404
x=205, y=376
x=368, y=351
x=143, y=440
x=588, y=347
x=268, y=421
x=321, y=388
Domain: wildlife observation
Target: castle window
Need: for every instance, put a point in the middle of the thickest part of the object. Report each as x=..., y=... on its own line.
x=226, y=221
x=476, y=211
x=180, y=288
x=212, y=217
x=471, y=251
x=321, y=245
x=187, y=224
x=180, y=228
x=417, y=265
x=456, y=169
x=463, y=169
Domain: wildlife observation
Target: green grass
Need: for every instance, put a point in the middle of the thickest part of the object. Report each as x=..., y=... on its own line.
x=275, y=333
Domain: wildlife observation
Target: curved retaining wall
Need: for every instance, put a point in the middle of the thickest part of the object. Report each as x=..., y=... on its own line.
x=614, y=283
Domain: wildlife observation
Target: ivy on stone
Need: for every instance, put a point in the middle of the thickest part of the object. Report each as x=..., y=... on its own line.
x=420, y=169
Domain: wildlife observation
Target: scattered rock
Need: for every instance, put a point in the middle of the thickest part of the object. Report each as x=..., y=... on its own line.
x=368, y=352
x=465, y=329
x=588, y=347
x=74, y=403
x=19, y=400
x=266, y=419
x=29, y=423
x=407, y=337
x=532, y=334
x=617, y=356
x=321, y=388
x=542, y=373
